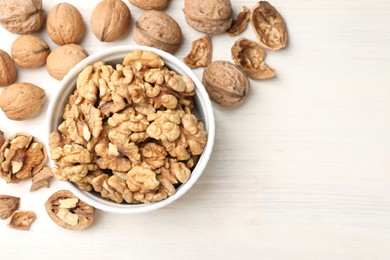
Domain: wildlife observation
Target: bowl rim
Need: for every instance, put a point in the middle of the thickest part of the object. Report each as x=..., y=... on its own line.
x=202, y=95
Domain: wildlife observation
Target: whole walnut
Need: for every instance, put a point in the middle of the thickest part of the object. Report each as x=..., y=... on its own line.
x=110, y=20
x=65, y=24
x=62, y=60
x=21, y=16
x=21, y=101
x=225, y=83
x=150, y=4
x=159, y=30
x=210, y=17
x=29, y=51
x=7, y=69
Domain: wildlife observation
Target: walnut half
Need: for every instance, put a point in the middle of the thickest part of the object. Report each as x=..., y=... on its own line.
x=68, y=211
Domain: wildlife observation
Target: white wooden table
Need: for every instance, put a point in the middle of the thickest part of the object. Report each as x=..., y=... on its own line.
x=300, y=171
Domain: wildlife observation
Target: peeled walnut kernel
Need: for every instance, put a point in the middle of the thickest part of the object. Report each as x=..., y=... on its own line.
x=64, y=24
x=249, y=56
x=110, y=20
x=226, y=84
x=201, y=53
x=62, y=60
x=29, y=51
x=150, y=4
x=210, y=17
x=8, y=71
x=239, y=25
x=159, y=30
x=21, y=157
x=8, y=204
x=22, y=219
x=21, y=101
x=269, y=26
x=21, y=16
x=69, y=212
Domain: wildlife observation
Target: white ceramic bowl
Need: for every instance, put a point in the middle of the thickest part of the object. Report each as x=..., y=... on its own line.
x=113, y=56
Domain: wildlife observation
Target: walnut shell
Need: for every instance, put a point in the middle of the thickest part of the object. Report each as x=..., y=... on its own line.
x=8, y=204
x=8, y=71
x=239, y=25
x=226, y=84
x=22, y=16
x=201, y=53
x=29, y=51
x=159, y=30
x=210, y=17
x=110, y=20
x=249, y=56
x=21, y=101
x=269, y=26
x=69, y=212
x=65, y=25
x=62, y=60
x=150, y=4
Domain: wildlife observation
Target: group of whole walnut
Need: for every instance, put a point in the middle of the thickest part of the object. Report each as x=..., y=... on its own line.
x=136, y=146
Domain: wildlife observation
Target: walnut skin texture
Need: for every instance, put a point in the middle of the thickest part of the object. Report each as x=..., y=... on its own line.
x=64, y=24
x=249, y=56
x=21, y=157
x=226, y=84
x=239, y=25
x=41, y=179
x=201, y=53
x=21, y=101
x=127, y=129
x=110, y=20
x=21, y=16
x=8, y=204
x=63, y=59
x=159, y=30
x=150, y=4
x=2, y=140
x=29, y=51
x=269, y=26
x=8, y=71
x=210, y=17
x=69, y=212
x=22, y=220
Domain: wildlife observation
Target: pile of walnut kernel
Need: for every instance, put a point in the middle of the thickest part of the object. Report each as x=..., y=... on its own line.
x=129, y=132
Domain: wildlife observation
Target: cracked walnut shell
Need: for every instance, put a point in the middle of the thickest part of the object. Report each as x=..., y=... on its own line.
x=239, y=25
x=68, y=211
x=226, y=84
x=8, y=71
x=21, y=16
x=201, y=53
x=22, y=219
x=2, y=140
x=21, y=101
x=29, y=51
x=8, y=204
x=269, y=26
x=249, y=56
x=159, y=30
x=64, y=24
x=21, y=157
x=110, y=20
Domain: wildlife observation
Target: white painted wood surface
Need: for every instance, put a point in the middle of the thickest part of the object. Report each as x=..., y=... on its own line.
x=300, y=171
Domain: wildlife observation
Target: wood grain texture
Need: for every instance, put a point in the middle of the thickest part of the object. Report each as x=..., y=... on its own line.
x=300, y=171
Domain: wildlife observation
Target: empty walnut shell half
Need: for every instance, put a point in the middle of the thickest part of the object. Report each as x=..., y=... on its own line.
x=239, y=25
x=21, y=157
x=201, y=53
x=249, y=56
x=68, y=211
x=269, y=26
x=226, y=84
x=159, y=30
